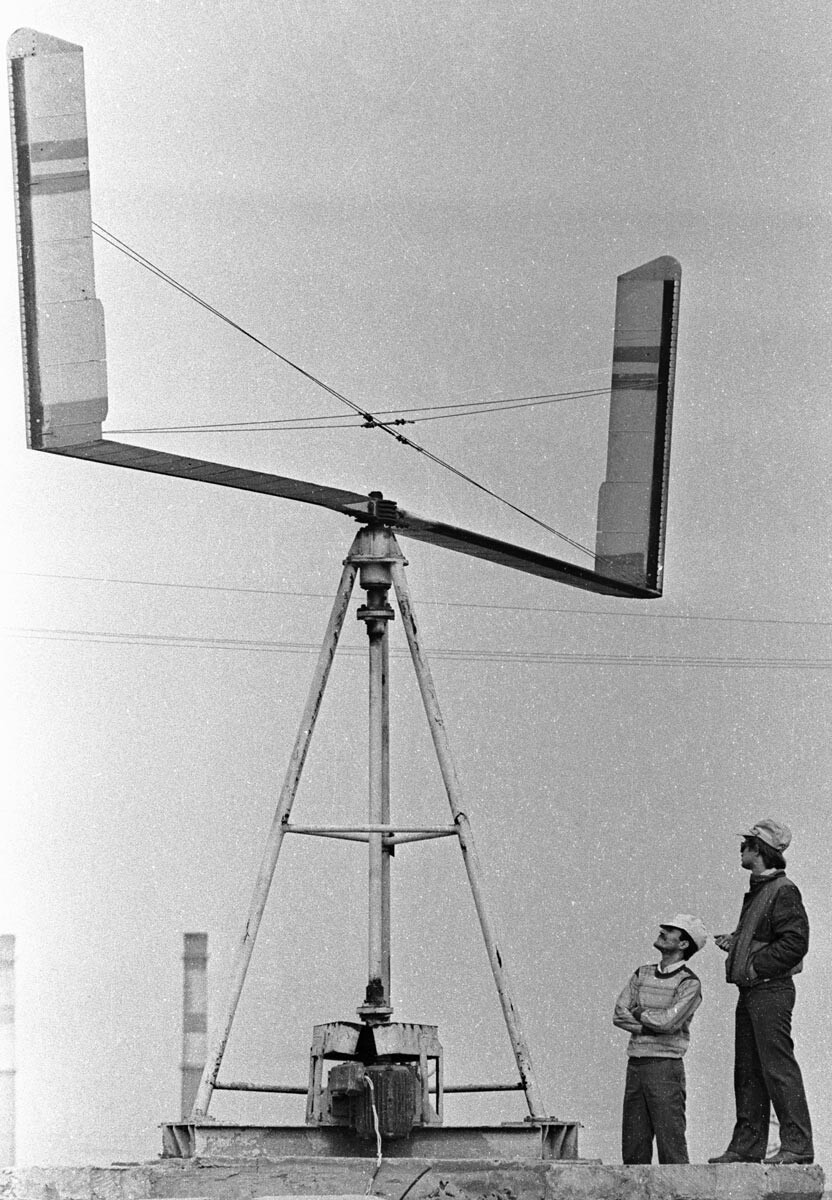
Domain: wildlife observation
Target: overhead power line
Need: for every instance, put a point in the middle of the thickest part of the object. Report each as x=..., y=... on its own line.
x=522, y=657
x=370, y=420
x=520, y=608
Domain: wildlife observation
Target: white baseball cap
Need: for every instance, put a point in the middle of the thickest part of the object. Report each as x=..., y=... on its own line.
x=689, y=925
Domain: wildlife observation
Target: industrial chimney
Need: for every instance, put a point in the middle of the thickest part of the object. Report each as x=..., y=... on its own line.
x=194, y=1016
x=7, y=1115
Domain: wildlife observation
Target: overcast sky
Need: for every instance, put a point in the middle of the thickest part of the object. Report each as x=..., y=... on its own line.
x=423, y=204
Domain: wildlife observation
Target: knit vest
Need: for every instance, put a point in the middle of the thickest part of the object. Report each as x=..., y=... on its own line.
x=660, y=991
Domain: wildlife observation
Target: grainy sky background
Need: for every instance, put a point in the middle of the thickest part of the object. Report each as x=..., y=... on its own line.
x=422, y=203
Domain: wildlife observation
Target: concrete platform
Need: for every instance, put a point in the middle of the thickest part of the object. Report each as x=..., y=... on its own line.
x=416, y=1179
x=540, y=1139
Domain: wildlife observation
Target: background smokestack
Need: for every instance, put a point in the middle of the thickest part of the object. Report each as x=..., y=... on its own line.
x=7, y=1117
x=194, y=1016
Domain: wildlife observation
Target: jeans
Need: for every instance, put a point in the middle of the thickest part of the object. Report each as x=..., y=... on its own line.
x=766, y=1072
x=654, y=1107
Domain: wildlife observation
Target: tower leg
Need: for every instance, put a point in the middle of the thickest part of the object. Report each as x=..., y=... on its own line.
x=291, y=781
x=534, y=1099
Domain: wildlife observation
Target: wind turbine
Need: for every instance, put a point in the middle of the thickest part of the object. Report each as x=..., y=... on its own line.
x=383, y=1075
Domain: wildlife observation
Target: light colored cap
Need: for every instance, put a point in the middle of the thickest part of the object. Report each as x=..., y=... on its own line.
x=690, y=925
x=772, y=833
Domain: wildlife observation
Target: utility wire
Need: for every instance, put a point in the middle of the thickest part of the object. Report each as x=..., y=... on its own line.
x=519, y=608
x=451, y=655
x=118, y=244
x=472, y=408
x=369, y=419
x=511, y=404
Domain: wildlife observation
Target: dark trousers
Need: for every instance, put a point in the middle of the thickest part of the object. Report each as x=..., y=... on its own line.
x=654, y=1107
x=766, y=1072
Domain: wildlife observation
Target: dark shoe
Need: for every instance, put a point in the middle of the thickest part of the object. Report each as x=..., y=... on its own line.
x=730, y=1157
x=785, y=1158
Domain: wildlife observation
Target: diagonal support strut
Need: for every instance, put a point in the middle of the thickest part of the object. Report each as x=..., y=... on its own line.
x=274, y=841
x=441, y=744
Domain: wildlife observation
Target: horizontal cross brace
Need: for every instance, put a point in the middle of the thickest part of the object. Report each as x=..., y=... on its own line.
x=284, y=1088
x=392, y=835
x=289, y=1090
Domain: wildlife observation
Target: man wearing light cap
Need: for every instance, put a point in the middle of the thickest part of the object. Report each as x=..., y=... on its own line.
x=764, y=952
x=656, y=1008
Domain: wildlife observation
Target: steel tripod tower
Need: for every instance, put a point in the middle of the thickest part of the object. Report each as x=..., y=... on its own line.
x=376, y=558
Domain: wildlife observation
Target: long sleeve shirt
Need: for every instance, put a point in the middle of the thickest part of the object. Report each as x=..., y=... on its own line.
x=656, y=1009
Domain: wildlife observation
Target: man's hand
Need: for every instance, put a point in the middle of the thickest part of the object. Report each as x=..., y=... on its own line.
x=724, y=941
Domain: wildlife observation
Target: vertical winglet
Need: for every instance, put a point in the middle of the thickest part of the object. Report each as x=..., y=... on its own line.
x=632, y=503
x=63, y=323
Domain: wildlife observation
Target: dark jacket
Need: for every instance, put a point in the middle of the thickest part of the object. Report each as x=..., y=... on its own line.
x=772, y=936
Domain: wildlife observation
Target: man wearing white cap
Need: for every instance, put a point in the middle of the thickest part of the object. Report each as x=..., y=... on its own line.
x=764, y=952
x=656, y=1008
